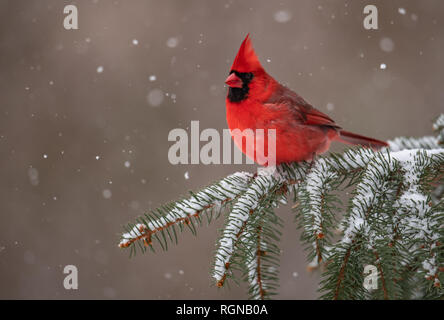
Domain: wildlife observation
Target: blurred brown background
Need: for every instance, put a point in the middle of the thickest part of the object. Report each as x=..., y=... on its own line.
x=85, y=115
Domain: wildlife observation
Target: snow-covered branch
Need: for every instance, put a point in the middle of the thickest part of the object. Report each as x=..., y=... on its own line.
x=206, y=201
x=393, y=220
x=264, y=184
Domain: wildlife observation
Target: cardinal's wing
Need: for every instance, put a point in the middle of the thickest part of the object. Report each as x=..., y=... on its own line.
x=303, y=112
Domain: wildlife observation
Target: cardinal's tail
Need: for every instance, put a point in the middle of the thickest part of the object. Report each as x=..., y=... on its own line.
x=356, y=139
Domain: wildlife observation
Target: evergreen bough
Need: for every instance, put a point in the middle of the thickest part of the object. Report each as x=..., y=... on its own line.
x=394, y=221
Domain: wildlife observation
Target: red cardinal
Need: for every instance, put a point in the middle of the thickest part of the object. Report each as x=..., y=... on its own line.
x=256, y=100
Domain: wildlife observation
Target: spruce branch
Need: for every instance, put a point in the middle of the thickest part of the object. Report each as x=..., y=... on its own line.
x=165, y=219
x=403, y=143
x=251, y=204
x=393, y=221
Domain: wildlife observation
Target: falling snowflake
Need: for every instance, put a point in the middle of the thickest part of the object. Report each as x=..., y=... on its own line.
x=99, y=69
x=33, y=175
x=155, y=97
x=107, y=193
x=168, y=276
x=282, y=16
x=330, y=106
x=386, y=44
x=172, y=42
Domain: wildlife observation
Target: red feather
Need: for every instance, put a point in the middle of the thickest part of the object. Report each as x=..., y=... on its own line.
x=246, y=59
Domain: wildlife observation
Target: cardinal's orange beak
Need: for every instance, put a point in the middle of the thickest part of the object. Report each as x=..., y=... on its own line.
x=234, y=81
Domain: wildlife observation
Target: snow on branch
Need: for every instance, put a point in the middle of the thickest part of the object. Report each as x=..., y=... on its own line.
x=427, y=142
x=402, y=143
x=419, y=220
x=258, y=252
x=318, y=205
x=369, y=193
x=214, y=197
x=384, y=223
x=264, y=184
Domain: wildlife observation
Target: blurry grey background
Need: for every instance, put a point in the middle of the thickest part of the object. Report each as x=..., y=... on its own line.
x=85, y=115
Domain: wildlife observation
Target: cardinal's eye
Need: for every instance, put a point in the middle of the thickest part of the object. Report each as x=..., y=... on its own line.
x=248, y=76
